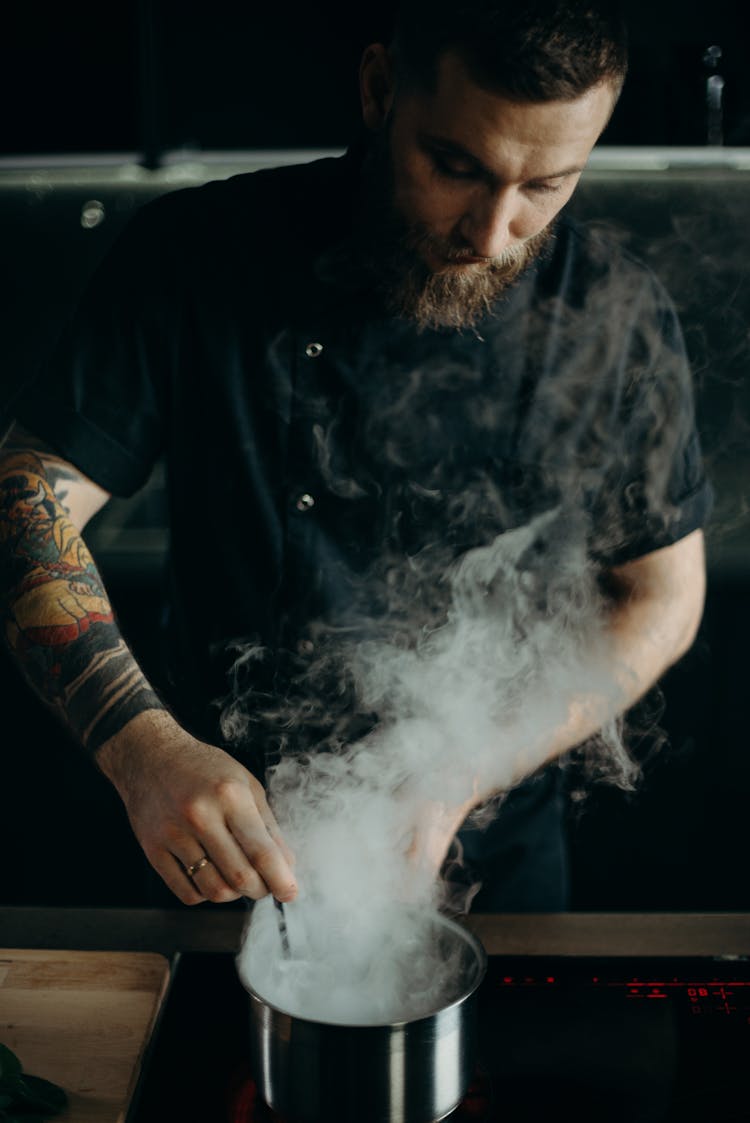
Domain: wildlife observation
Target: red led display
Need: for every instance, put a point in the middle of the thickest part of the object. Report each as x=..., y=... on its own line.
x=707, y=997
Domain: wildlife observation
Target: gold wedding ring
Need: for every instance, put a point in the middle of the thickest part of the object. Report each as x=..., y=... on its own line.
x=192, y=870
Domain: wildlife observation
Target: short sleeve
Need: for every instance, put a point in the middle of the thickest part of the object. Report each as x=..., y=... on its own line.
x=655, y=490
x=102, y=399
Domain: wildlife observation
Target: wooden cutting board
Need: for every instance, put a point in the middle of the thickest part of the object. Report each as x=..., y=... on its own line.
x=82, y=1019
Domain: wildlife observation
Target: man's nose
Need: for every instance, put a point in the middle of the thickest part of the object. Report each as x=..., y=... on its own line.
x=486, y=225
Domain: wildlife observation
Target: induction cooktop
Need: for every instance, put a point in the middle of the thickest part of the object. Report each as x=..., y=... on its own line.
x=611, y=1040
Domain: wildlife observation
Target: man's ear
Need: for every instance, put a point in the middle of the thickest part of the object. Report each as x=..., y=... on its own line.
x=376, y=86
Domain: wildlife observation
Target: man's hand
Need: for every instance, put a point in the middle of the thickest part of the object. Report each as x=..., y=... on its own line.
x=186, y=800
x=434, y=829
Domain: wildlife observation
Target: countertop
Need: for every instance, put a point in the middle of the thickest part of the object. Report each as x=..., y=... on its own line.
x=82, y=1019
x=219, y=929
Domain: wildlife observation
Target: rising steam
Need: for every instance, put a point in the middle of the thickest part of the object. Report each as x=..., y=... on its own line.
x=439, y=673
x=466, y=710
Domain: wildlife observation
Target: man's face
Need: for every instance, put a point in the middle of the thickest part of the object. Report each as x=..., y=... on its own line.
x=472, y=182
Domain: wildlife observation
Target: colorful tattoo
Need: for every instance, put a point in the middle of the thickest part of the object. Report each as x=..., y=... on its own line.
x=57, y=619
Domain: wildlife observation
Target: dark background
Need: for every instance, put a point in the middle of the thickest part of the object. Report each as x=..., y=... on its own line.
x=150, y=77
x=235, y=74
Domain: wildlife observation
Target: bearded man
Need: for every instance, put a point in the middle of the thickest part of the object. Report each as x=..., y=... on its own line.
x=356, y=370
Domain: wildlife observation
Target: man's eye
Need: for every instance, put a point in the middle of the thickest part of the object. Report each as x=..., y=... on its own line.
x=545, y=188
x=454, y=169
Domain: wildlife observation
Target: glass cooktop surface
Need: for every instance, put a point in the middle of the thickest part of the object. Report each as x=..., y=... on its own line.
x=611, y=1040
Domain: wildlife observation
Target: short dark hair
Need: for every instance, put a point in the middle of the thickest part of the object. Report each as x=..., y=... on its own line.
x=531, y=50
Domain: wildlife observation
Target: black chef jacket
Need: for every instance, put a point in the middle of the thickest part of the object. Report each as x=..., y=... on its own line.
x=311, y=440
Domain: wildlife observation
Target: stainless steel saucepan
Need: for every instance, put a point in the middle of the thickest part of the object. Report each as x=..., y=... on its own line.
x=406, y=1072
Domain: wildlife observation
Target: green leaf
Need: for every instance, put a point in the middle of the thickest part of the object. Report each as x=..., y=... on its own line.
x=40, y=1095
x=10, y=1066
x=22, y=1097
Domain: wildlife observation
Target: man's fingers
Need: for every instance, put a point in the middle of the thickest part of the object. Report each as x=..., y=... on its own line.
x=221, y=872
x=172, y=872
x=266, y=855
x=266, y=814
x=214, y=886
x=269, y=822
x=278, y=838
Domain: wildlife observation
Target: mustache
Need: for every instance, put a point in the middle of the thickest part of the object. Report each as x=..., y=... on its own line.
x=421, y=239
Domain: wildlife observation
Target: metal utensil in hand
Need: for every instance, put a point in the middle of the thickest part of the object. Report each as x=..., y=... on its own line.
x=283, y=933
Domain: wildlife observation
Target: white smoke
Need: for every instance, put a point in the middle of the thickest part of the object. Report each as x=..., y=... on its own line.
x=466, y=711
x=441, y=675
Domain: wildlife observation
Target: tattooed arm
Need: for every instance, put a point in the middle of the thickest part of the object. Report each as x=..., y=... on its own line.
x=184, y=799
x=57, y=620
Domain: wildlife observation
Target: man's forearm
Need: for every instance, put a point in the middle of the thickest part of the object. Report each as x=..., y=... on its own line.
x=654, y=613
x=642, y=645
x=57, y=620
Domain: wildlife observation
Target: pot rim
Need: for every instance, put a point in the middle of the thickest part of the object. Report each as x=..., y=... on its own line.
x=468, y=937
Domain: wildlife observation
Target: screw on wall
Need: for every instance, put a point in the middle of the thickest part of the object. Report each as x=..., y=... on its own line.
x=714, y=96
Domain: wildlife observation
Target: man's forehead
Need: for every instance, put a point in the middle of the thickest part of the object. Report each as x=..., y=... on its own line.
x=489, y=125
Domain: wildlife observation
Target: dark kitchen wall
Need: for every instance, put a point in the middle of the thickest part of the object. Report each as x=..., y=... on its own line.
x=681, y=841
x=230, y=77
x=242, y=75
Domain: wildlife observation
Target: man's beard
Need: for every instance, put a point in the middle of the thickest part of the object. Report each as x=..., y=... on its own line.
x=390, y=254
x=458, y=296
